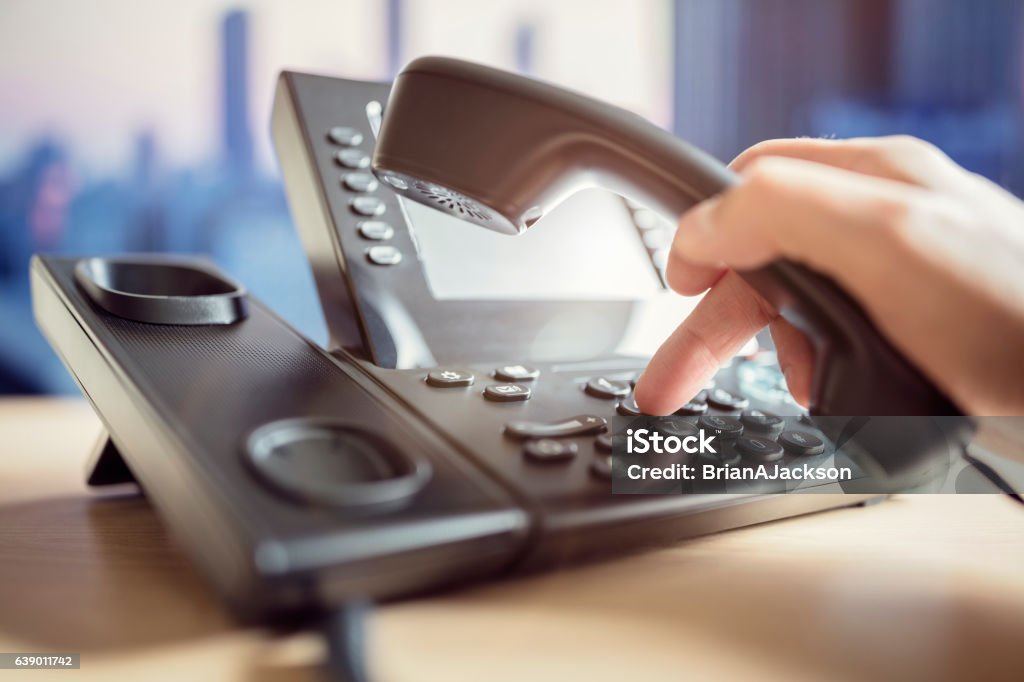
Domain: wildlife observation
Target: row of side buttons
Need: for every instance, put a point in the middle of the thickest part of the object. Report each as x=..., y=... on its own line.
x=360, y=182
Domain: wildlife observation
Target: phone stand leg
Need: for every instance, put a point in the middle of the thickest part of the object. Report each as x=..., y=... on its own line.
x=106, y=466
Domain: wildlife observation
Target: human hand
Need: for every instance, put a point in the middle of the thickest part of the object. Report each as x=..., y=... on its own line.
x=933, y=253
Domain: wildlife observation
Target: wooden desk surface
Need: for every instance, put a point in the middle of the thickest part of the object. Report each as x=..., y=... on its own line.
x=922, y=587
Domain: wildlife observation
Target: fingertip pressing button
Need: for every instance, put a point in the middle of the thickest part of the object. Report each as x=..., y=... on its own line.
x=629, y=408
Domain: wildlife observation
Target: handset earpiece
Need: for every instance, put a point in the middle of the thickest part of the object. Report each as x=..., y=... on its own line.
x=500, y=150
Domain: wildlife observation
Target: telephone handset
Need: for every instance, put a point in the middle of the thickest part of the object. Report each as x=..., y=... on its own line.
x=501, y=150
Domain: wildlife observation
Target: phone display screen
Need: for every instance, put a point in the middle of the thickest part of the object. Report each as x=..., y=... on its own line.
x=586, y=249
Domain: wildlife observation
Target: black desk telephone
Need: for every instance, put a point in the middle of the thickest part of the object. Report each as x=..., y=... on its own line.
x=456, y=426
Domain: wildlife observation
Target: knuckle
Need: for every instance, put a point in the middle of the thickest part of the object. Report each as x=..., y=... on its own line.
x=766, y=174
x=895, y=150
x=894, y=215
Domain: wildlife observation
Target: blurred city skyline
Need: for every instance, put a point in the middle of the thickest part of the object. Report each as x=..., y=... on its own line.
x=144, y=126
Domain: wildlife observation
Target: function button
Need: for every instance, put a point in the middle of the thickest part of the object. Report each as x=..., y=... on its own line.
x=629, y=408
x=759, y=449
x=345, y=136
x=359, y=182
x=384, y=255
x=581, y=425
x=762, y=422
x=603, y=387
x=352, y=158
x=506, y=393
x=376, y=230
x=516, y=373
x=602, y=466
x=802, y=443
x=724, y=400
x=550, y=450
x=604, y=442
x=695, y=407
x=367, y=206
x=724, y=427
x=449, y=378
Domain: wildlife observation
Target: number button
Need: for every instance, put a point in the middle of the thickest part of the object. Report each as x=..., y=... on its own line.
x=759, y=449
x=802, y=443
x=723, y=427
x=724, y=400
x=602, y=387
